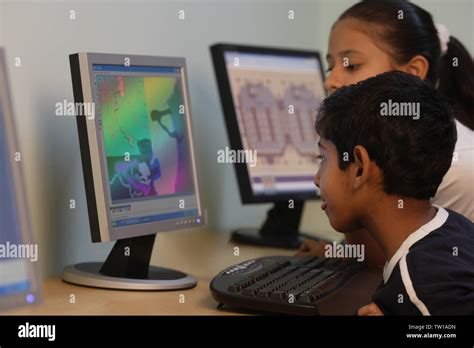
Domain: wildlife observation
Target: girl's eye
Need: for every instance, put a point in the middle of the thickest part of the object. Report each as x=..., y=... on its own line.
x=320, y=158
x=352, y=67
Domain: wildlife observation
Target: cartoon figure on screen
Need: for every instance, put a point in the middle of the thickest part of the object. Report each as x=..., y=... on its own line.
x=149, y=166
x=137, y=177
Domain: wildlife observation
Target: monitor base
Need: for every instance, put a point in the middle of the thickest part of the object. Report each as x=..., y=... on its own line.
x=280, y=229
x=88, y=274
x=128, y=268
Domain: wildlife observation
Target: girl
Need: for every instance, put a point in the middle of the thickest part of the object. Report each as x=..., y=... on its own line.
x=375, y=36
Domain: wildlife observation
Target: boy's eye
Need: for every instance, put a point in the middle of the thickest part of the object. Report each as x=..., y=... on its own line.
x=320, y=158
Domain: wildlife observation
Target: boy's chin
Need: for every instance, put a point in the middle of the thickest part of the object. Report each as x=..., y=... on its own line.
x=342, y=226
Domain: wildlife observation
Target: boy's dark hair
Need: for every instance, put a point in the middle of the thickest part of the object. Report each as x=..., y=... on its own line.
x=413, y=154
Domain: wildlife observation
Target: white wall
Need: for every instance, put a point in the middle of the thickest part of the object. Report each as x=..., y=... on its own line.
x=456, y=15
x=42, y=35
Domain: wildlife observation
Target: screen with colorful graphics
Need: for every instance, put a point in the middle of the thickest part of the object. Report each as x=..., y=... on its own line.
x=147, y=149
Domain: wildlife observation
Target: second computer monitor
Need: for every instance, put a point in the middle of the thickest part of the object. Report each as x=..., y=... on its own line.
x=270, y=97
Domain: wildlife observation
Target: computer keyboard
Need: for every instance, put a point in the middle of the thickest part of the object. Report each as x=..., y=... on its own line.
x=281, y=284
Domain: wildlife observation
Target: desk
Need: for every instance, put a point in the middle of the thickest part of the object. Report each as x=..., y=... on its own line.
x=201, y=253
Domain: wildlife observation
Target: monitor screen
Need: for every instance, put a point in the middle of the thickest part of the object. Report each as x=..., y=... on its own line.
x=18, y=284
x=13, y=271
x=143, y=124
x=146, y=144
x=275, y=97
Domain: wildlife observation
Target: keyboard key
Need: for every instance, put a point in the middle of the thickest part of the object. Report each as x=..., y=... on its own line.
x=306, y=298
x=264, y=293
x=234, y=288
x=249, y=292
x=280, y=295
x=327, y=286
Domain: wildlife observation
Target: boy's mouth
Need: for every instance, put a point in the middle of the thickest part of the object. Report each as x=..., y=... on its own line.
x=323, y=203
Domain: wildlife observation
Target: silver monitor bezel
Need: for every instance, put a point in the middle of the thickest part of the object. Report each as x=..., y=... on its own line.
x=97, y=152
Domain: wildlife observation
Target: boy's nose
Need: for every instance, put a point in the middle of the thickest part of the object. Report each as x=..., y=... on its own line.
x=316, y=179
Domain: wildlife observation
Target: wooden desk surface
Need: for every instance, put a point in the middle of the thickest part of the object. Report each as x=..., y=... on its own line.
x=201, y=253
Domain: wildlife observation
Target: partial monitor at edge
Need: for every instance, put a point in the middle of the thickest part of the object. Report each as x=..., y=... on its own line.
x=19, y=277
x=133, y=118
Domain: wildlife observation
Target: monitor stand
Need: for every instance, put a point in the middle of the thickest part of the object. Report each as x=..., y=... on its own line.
x=128, y=268
x=280, y=229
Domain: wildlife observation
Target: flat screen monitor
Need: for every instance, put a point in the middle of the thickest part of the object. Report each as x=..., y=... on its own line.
x=270, y=97
x=137, y=151
x=19, y=283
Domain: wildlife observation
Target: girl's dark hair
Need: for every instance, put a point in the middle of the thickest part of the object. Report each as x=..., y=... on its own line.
x=408, y=30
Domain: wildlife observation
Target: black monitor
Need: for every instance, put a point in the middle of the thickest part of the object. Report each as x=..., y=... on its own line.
x=19, y=282
x=270, y=97
x=133, y=118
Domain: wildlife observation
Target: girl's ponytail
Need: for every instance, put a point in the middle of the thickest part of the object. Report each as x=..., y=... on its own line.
x=456, y=81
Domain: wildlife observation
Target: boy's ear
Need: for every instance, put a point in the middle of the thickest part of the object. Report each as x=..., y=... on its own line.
x=361, y=167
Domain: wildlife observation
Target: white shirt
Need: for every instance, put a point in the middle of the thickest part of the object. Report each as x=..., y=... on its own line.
x=456, y=191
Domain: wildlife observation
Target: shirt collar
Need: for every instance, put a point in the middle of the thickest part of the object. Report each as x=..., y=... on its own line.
x=436, y=222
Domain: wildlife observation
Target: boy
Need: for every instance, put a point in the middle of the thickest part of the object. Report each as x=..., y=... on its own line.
x=385, y=145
